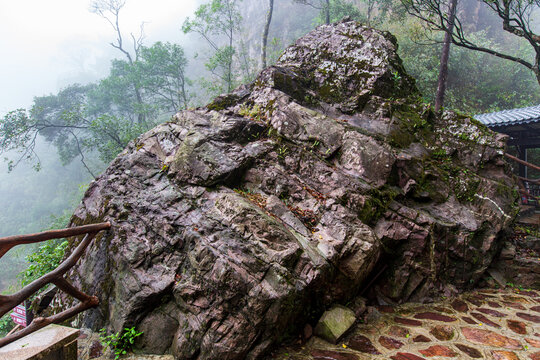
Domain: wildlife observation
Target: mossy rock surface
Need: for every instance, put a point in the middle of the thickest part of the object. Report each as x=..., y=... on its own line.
x=239, y=223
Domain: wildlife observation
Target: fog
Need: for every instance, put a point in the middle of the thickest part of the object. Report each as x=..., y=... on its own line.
x=47, y=46
x=50, y=44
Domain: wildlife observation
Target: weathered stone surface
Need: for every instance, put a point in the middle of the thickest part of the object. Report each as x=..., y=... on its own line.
x=535, y=356
x=334, y=323
x=472, y=352
x=487, y=337
x=234, y=217
x=438, y=350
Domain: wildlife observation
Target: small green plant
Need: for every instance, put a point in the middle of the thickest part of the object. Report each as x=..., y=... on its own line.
x=282, y=151
x=6, y=324
x=121, y=342
x=44, y=260
x=396, y=76
x=440, y=154
x=252, y=112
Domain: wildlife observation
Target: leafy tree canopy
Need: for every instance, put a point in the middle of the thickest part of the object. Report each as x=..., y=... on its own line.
x=101, y=118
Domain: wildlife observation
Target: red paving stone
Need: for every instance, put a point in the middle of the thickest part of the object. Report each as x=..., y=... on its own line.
x=533, y=342
x=421, y=338
x=468, y=320
x=529, y=317
x=399, y=331
x=438, y=350
x=410, y=322
x=504, y=355
x=406, y=356
x=514, y=305
x=460, y=306
x=442, y=332
x=390, y=343
x=487, y=337
x=494, y=304
x=515, y=299
x=517, y=326
x=491, y=312
x=332, y=355
x=434, y=316
x=363, y=344
x=485, y=320
x=387, y=309
x=472, y=352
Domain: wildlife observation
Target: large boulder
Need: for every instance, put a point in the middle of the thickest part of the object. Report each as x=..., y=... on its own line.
x=235, y=224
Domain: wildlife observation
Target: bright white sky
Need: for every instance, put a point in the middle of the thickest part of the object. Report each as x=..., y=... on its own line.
x=48, y=44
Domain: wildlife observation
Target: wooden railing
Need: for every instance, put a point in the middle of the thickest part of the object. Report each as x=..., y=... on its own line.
x=530, y=188
x=56, y=277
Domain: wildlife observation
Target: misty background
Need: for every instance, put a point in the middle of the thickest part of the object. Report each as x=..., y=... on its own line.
x=51, y=45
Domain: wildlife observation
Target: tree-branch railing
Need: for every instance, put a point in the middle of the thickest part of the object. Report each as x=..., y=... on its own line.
x=56, y=277
x=522, y=180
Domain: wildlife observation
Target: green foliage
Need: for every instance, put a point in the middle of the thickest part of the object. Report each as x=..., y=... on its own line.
x=340, y=9
x=102, y=117
x=477, y=82
x=218, y=22
x=121, y=342
x=44, y=260
x=6, y=324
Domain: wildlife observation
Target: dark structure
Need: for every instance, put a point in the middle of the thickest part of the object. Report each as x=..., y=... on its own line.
x=523, y=127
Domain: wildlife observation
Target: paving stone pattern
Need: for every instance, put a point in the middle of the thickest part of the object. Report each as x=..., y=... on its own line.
x=484, y=324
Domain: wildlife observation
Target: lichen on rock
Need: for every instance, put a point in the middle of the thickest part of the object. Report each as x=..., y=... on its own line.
x=235, y=224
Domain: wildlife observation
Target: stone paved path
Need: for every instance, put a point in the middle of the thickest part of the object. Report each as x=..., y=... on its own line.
x=485, y=324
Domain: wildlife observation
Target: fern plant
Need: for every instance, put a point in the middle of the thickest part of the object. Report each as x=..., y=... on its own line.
x=121, y=342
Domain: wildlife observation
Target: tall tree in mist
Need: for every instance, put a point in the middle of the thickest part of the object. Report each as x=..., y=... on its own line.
x=515, y=16
x=321, y=5
x=214, y=21
x=266, y=31
x=445, y=55
x=102, y=117
x=110, y=11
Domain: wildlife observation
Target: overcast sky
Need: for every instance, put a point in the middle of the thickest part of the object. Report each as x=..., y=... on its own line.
x=47, y=45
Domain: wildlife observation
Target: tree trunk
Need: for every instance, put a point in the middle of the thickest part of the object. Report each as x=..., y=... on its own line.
x=266, y=30
x=230, y=60
x=327, y=11
x=445, y=54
